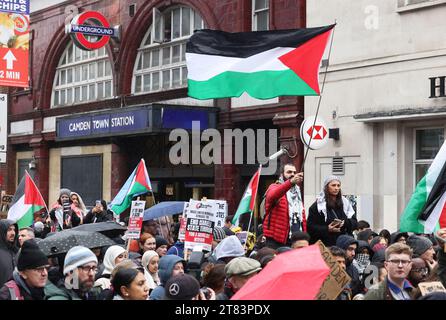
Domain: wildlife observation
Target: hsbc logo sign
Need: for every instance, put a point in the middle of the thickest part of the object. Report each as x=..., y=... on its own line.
x=314, y=133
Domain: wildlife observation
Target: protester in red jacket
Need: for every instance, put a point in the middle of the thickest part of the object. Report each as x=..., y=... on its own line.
x=284, y=210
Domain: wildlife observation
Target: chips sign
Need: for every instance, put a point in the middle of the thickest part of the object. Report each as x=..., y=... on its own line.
x=135, y=220
x=314, y=134
x=90, y=30
x=14, y=43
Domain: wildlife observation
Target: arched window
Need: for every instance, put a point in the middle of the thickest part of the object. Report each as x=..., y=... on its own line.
x=161, y=61
x=82, y=76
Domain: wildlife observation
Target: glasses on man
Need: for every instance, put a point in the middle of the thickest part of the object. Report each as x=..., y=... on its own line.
x=398, y=262
x=423, y=271
x=41, y=269
x=87, y=269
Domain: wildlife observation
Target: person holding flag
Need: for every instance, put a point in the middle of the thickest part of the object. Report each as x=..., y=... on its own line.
x=284, y=210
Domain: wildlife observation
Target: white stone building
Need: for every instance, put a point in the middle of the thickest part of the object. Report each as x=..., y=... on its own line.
x=378, y=93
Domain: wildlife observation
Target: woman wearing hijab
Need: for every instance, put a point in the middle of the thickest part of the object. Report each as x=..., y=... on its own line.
x=150, y=261
x=331, y=214
x=113, y=256
x=78, y=206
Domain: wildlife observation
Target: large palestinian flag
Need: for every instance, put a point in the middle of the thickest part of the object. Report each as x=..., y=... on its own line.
x=26, y=202
x=137, y=184
x=426, y=209
x=265, y=64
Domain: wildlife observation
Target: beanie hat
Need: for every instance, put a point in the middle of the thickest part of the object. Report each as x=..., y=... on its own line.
x=219, y=234
x=30, y=256
x=242, y=266
x=181, y=287
x=64, y=191
x=77, y=257
x=419, y=244
x=39, y=226
x=330, y=179
x=160, y=241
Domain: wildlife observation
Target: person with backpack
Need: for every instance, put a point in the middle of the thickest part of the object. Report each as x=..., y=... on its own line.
x=284, y=210
x=30, y=276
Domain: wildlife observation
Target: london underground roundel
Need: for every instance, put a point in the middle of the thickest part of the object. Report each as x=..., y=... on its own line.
x=314, y=134
x=90, y=24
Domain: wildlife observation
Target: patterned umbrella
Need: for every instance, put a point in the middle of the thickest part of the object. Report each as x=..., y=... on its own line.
x=110, y=229
x=63, y=241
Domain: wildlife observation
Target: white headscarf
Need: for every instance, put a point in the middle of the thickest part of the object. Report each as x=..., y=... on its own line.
x=110, y=256
x=152, y=278
x=81, y=203
x=322, y=204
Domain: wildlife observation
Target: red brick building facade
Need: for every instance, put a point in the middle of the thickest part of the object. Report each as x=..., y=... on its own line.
x=36, y=107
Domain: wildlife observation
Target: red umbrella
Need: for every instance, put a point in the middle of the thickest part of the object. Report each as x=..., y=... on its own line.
x=293, y=275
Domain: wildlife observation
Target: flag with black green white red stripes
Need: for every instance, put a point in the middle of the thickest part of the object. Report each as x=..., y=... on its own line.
x=265, y=64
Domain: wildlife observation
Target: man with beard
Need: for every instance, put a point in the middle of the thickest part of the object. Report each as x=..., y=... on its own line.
x=284, y=211
x=419, y=271
x=80, y=267
x=349, y=245
x=8, y=249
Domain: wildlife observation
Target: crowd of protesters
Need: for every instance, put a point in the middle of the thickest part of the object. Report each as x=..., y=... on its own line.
x=381, y=265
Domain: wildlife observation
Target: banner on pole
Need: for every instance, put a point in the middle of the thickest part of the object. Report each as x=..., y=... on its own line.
x=135, y=219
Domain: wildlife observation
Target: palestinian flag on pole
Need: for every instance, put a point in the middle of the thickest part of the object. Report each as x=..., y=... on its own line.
x=265, y=64
x=426, y=209
x=137, y=184
x=27, y=200
x=249, y=197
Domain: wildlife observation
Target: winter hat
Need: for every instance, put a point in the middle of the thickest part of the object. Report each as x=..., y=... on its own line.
x=76, y=257
x=219, y=234
x=330, y=179
x=181, y=287
x=30, y=256
x=160, y=241
x=64, y=191
x=38, y=226
x=242, y=266
x=419, y=244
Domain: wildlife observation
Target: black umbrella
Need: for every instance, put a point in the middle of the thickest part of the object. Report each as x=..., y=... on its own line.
x=64, y=240
x=110, y=229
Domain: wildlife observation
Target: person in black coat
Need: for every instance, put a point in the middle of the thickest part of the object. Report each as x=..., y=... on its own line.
x=99, y=213
x=8, y=249
x=331, y=214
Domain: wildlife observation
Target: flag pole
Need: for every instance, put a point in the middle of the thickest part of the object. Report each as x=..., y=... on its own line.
x=320, y=99
x=252, y=211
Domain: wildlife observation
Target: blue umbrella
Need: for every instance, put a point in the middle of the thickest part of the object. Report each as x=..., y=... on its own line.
x=166, y=208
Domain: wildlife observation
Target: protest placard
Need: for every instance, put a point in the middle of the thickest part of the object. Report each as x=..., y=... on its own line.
x=183, y=220
x=336, y=280
x=429, y=287
x=200, y=224
x=135, y=219
x=222, y=212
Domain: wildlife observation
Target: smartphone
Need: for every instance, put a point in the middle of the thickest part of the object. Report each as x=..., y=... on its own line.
x=337, y=221
x=98, y=203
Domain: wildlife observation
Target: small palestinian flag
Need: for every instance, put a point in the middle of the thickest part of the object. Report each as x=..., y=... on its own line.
x=26, y=202
x=137, y=184
x=249, y=197
x=265, y=64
